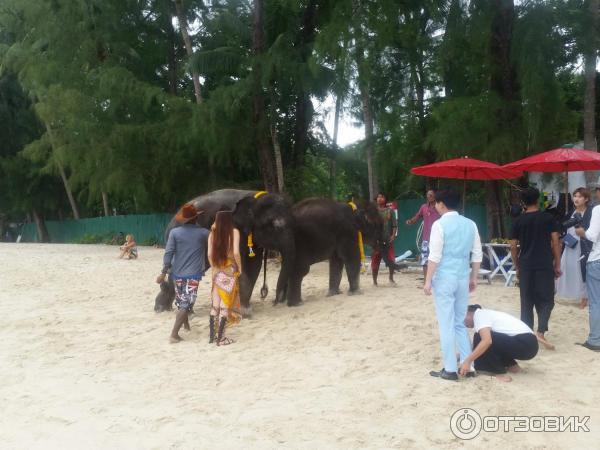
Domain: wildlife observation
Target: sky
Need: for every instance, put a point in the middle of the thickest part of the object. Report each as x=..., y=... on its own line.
x=347, y=132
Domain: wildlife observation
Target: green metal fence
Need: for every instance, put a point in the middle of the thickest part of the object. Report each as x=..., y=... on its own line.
x=407, y=234
x=152, y=226
x=144, y=227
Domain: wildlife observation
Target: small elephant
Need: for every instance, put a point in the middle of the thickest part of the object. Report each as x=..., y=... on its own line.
x=328, y=230
x=267, y=216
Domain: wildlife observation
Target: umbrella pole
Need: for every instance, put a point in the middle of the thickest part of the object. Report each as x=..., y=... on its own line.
x=566, y=193
x=464, y=199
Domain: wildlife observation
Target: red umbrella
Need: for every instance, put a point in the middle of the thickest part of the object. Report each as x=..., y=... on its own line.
x=558, y=160
x=466, y=168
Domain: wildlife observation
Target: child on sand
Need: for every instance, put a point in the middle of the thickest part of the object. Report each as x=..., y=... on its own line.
x=129, y=248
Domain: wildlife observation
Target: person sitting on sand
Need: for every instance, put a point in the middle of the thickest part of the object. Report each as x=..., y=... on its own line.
x=224, y=258
x=499, y=340
x=129, y=248
x=185, y=256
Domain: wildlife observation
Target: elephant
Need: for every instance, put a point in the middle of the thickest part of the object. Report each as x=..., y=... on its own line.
x=328, y=230
x=267, y=216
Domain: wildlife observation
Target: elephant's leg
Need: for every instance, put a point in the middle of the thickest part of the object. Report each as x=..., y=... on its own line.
x=336, y=267
x=294, y=287
x=281, y=291
x=282, y=288
x=351, y=257
x=250, y=271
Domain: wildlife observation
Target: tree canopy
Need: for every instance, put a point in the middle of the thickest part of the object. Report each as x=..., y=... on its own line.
x=137, y=105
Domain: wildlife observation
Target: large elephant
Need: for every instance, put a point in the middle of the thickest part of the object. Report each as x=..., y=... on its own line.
x=328, y=230
x=267, y=216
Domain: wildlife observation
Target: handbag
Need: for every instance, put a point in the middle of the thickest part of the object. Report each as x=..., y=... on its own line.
x=570, y=241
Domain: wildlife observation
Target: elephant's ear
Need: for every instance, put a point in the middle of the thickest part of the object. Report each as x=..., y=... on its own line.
x=242, y=214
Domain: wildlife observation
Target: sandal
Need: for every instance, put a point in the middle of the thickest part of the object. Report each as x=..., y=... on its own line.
x=225, y=341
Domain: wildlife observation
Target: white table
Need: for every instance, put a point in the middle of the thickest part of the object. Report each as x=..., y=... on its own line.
x=502, y=265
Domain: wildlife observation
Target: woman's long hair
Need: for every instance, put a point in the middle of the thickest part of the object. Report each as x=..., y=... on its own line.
x=222, y=242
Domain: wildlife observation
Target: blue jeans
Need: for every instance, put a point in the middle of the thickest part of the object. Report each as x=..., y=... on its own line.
x=593, y=291
x=451, y=302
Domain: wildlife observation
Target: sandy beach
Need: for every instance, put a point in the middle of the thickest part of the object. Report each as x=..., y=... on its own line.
x=86, y=363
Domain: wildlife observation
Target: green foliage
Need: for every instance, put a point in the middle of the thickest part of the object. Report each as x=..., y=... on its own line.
x=102, y=89
x=91, y=239
x=150, y=242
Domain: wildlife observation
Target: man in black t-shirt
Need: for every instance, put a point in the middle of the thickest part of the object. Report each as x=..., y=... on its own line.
x=537, y=261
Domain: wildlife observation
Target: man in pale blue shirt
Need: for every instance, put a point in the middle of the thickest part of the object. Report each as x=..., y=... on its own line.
x=454, y=258
x=185, y=256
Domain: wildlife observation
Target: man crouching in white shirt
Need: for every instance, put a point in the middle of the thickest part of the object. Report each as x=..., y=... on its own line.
x=499, y=340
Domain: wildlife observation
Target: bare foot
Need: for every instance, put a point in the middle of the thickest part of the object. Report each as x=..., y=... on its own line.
x=175, y=339
x=514, y=368
x=504, y=377
x=583, y=304
x=542, y=340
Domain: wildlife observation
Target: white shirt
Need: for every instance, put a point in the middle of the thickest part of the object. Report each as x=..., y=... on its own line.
x=499, y=322
x=593, y=234
x=436, y=242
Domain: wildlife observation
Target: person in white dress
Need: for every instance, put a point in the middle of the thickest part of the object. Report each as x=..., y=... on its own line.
x=571, y=285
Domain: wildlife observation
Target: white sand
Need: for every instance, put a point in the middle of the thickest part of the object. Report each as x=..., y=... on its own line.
x=86, y=363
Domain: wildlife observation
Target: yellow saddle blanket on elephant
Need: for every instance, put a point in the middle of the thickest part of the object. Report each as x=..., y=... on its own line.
x=226, y=286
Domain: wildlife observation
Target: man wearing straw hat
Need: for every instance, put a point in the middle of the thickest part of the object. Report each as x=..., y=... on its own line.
x=185, y=255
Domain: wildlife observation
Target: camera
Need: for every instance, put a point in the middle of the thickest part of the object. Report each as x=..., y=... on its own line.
x=574, y=221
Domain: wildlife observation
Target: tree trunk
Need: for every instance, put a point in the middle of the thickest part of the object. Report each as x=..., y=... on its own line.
x=105, y=204
x=277, y=153
x=589, y=106
x=304, y=110
x=63, y=175
x=65, y=181
x=589, y=103
x=265, y=153
x=365, y=95
x=367, y=114
x=333, y=166
x=370, y=150
x=172, y=47
x=40, y=224
x=494, y=215
x=503, y=81
x=503, y=72
x=2, y=221
x=183, y=26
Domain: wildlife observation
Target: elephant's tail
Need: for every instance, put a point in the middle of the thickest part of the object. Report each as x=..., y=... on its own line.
x=264, y=290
